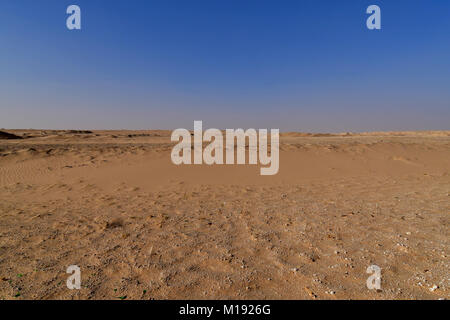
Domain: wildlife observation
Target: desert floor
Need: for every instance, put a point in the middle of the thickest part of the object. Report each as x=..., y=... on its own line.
x=140, y=227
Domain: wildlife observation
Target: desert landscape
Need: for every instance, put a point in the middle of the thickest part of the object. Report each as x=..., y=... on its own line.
x=140, y=227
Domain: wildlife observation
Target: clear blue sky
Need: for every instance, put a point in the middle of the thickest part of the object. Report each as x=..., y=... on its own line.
x=293, y=65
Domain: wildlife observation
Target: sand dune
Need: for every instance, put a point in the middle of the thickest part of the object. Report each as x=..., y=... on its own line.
x=140, y=227
x=9, y=136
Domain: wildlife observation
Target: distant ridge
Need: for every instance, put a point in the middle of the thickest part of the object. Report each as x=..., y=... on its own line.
x=9, y=136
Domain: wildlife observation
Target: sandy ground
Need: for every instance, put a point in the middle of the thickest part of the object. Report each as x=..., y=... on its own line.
x=140, y=227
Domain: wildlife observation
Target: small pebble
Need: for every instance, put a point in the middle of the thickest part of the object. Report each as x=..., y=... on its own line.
x=433, y=288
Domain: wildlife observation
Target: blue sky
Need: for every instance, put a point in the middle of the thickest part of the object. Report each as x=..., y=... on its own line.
x=293, y=65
